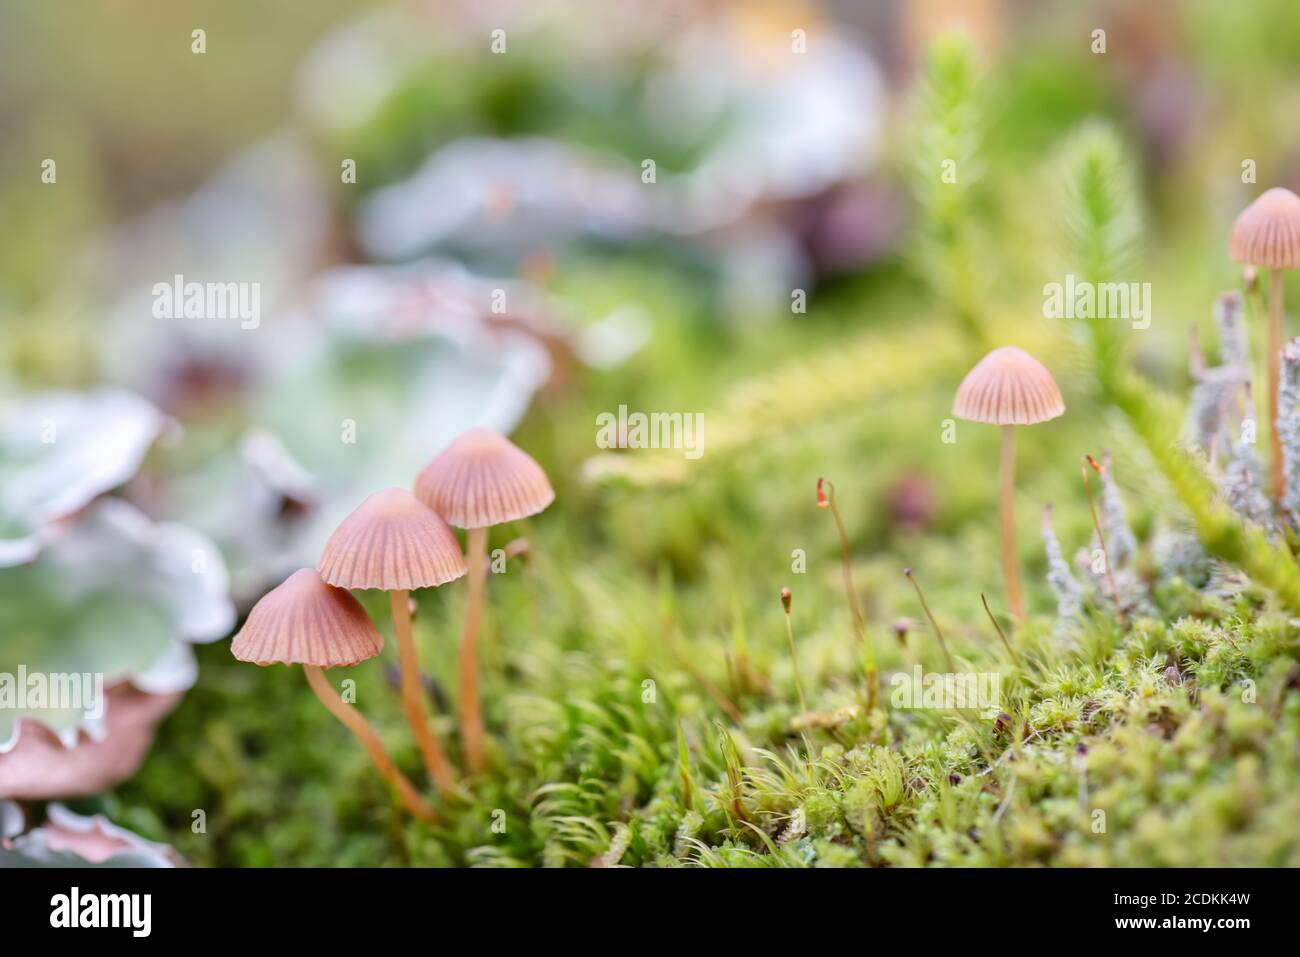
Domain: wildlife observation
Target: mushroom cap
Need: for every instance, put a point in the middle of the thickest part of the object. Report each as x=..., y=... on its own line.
x=483, y=479
x=1008, y=387
x=392, y=542
x=304, y=621
x=1267, y=233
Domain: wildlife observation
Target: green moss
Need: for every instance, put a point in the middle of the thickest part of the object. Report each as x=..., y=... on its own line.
x=590, y=675
x=645, y=616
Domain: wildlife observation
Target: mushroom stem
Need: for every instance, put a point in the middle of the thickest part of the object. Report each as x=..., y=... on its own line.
x=1007, y=481
x=435, y=760
x=472, y=735
x=1275, y=378
x=369, y=738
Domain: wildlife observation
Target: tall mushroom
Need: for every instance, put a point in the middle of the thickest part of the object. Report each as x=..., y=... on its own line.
x=1009, y=387
x=481, y=479
x=304, y=621
x=1267, y=234
x=393, y=543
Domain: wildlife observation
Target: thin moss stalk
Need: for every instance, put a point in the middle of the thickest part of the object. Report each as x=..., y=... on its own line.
x=826, y=499
x=938, y=632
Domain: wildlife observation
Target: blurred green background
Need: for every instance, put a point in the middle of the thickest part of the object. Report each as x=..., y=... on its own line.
x=909, y=284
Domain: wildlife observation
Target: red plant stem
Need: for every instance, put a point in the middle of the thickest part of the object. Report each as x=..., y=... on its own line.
x=1101, y=537
x=1001, y=634
x=794, y=662
x=938, y=633
x=826, y=499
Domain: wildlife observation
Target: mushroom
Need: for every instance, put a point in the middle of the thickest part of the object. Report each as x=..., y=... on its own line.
x=1009, y=387
x=304, y=621
x=1267, y=234
x=481, y=479
x=393, y=543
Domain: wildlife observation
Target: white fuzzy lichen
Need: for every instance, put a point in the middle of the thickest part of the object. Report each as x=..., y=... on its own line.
x=1109, y=567
x=1121, y=543
x=1222, y=417
x=1217, y=390
x=1066, y=588
x=1243, y=485
x=1288, y=427
x=1176, y=552
x=1234, y=347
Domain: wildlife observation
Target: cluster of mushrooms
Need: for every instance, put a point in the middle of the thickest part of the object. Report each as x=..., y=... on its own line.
x=1009, y=387
x=397, y=542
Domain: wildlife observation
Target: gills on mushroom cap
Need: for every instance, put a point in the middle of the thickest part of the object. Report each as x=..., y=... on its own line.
x=1008, y=387
x=393, y=542
x=1267, y=233
x=483, y=479
x=304, y=621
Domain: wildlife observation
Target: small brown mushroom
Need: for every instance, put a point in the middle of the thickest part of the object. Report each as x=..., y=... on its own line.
x=1009, y=387
x=481, y=479
x=1267, y=235
x=304, y=621
x=393, y=543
